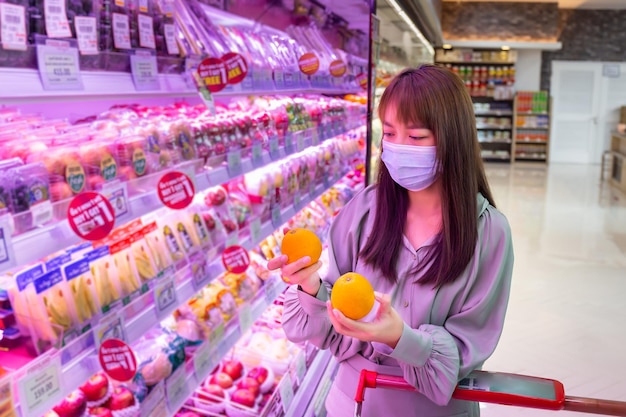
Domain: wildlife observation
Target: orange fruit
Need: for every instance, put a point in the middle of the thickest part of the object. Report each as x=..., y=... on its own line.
x=299, y=243
x=353, y=295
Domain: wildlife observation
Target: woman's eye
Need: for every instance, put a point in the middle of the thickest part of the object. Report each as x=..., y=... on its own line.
x=387, y=134
x=417, y=137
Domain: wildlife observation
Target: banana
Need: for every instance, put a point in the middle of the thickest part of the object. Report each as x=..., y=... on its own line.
x=76, y=287
x=57, y=312
x=89, y=299
x=142, y=260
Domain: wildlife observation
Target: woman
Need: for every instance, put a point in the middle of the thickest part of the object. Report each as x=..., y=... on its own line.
x=428, y=237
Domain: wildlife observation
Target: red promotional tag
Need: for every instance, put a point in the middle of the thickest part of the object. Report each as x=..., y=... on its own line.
x=236, y=259
x=213, y=74
x=91, y=216
x=361, y=79
x=309, y=63
x=117, y=360
x=236, y=66
x=176, y=190
x=337, y=68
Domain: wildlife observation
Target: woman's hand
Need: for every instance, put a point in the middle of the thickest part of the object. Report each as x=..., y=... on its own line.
x=298, y=273
x=386, y=328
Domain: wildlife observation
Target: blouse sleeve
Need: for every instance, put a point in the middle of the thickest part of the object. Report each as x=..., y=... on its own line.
x=434, y=358
x=305, y=318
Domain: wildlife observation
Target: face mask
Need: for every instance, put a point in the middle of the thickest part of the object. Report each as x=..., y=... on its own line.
x=412, y=167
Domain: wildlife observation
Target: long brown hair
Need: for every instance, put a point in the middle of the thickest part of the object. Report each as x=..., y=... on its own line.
x=437, y=99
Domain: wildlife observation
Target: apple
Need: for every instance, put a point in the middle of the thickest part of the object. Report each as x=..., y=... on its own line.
x=121, y=398
x=233, y=368
x=96, y=387
x=74, y=405
x=211, y=392
x=250, y=384
x=100, y=412
x=243, y=397
x=222, y=379
x=259, y=373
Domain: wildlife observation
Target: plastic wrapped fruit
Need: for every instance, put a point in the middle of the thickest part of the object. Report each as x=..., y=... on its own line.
x=66, y=172
x=100, y=163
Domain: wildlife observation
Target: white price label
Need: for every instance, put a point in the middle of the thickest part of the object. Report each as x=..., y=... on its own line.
x=276, y=216
x=143, y=6
x=245, y=318
x=110, y=328
x=255, y=231
x=320, y=399
x=146, y=31
x=57, y=25
x=234, y=163
x=271, y=290
x=300, y=366
x=274, y=154
x=170, y=39
x=232, y=239
x=279, y=77
x=286, y=392
x=300, y=141
x=41, y=213
x=86, y=34
x=315, y=137
x=297, y=199
x=289, y=142
x=154, y=404
x=13, y=27
x=165, y=296
x=6, y=244
x=40, y=388
x=176, y=388
x=257, y=154
x=117, y=194
x=216, y=336
x=312, y=191
x=59, y=66
x=121, y=31
x=202, y=361
x=145, y=72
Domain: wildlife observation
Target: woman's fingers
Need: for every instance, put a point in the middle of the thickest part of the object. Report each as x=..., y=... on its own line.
x=277, y=263
x=297, y=273
x=292, y=268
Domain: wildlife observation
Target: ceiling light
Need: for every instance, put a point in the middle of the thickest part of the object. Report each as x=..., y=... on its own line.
x=400, y=12
x=506, y=48
x=447, y=46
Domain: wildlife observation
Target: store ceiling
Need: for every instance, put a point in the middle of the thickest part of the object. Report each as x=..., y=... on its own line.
x=566, y=4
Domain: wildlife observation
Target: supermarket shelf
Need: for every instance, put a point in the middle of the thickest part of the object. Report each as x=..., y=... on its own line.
x=503, y=113
x=310, y=384
x=35, y=244
x=79, y=358
x=531, y=142
x=530, y=157
x=476, y=63
x=24, y=85
x=532, y=128
x=493, y=127
x=316, y=405
x=496, y=158
x=530, y=113
x=495, y=142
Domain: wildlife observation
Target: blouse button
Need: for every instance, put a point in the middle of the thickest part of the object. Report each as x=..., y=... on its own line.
x=406, y=304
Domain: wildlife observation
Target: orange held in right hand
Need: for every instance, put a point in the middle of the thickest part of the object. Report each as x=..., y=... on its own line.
x=299, y=243
x=353, y=295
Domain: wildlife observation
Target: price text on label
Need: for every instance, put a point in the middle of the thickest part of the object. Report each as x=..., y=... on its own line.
x=145, y=72
x=40, y=386
x=58, y=66
x=91, y=216
x=86, y=34
x=13, y=26
x=165, y=296
x=117, y=360
x=309, y=63
x=236, y=67
x=213, y=73
x=176, y=190
x=236, y=259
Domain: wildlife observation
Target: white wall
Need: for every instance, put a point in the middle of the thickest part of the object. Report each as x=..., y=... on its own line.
x=528, y=70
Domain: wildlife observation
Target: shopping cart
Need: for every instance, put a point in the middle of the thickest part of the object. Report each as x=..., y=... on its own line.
x=501, y=388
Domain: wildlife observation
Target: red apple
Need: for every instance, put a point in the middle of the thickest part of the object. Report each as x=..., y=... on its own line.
x=214, y=391
x=259, y=373
x=100, y=412
x=222, y=379
x=96, y=387
x=250, y=384
x=244, y=397
x=121, y=398
x=233, y=368
x=74, y=405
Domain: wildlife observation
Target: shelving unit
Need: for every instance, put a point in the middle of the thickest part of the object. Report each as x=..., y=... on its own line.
x=531, y=126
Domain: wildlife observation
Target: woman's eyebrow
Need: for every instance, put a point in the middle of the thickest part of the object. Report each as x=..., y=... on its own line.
x=387, y=124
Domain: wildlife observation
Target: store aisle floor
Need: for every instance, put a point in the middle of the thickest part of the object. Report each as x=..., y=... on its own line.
x=567, y=313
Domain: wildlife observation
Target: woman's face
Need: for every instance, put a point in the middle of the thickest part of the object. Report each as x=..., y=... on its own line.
x=401, y=134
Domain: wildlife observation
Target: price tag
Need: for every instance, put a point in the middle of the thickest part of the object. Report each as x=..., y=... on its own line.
x=216, y=337
x=40, y=388
x=58, y=66
x=170, y=39
x=146, y=31
x=277, y=219
x=286, y=392
x=236, y=259
x=274, y=152
x=110, y=328
x=57, y=25
x=245, y=318
x=255, y=231
x=202, y=362
x=279, y=78
x=320, y=399
x=117, y=194
x=41, y=213
x=7, y=408
x=121, y=31
x=271, y=290
x=301, y=366
x=232, y=239
x=176, y=190
x=13, y=27
x=312, y=191
x=176, y=388
x=145, y=72
x=297, y=199
x=154, y=404
x=234, y=163
x=91, y=216
x=165, y=296
x=257, y=155
x=289, y=142
x=86, y=34
x=236, y=67
x=300, y=141
x=117, y=360
x=315, y=136
x=200, y=270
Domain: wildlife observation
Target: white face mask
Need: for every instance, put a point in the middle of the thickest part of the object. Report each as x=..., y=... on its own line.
x=412, y=167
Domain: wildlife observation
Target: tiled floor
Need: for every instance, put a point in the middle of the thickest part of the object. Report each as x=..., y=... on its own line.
x=567, y=313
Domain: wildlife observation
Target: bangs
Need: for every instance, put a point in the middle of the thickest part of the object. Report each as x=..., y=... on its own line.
x=409, y=99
